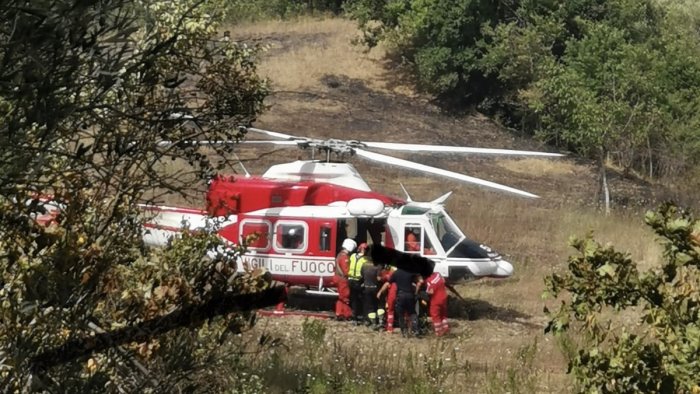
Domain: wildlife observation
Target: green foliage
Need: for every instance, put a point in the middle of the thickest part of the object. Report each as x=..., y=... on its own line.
x=438, y=38
x=88, y=93
x=659, y=352
x=613, y=80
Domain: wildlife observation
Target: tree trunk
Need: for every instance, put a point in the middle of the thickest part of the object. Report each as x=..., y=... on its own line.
x=606, y=190
x=651, y=160
x=603, y=182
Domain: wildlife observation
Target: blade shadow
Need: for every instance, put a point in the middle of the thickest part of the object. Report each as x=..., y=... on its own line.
x=473, y=309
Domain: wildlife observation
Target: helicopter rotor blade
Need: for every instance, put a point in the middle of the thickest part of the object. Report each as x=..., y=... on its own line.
x=274, y=134
x=454, y=149
x=414, y=147
x=229, y=142
x=287, y=143
x=438, y=171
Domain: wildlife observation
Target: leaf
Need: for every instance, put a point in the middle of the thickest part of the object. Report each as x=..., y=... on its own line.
x=606, y=270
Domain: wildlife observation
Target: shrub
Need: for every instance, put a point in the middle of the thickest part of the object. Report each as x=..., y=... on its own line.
x=655, y=350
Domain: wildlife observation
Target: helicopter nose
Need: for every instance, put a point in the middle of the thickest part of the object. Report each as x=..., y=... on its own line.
x=503, y=269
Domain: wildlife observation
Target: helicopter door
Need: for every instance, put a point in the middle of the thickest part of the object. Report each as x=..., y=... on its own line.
x=362, y=230
x=415, y=240
x=347, y=228
x=325, y=238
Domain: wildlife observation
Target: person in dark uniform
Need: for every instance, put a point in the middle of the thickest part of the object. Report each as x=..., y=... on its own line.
x=405, y=300
x=370, y=283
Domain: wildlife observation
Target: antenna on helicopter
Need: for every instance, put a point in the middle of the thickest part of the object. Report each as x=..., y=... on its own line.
x=408, y=196
x=441, y=200
x=247, y=174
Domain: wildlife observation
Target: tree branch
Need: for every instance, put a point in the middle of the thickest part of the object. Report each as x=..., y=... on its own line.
x=188, y=316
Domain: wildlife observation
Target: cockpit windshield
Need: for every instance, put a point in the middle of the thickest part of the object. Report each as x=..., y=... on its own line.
x=447, y=231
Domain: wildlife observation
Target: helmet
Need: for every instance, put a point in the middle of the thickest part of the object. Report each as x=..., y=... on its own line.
x=349, y=244
x=362, y=247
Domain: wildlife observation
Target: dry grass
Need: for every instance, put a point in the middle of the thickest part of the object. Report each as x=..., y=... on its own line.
x=539, y=167
x=360, y=360
x=320, y=47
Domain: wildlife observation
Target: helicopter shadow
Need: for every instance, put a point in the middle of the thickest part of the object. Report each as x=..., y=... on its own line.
x=458, y=310
x=298, y=299
x=470, y=309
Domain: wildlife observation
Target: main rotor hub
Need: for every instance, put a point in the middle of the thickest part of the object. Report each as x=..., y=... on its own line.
x=336, y=146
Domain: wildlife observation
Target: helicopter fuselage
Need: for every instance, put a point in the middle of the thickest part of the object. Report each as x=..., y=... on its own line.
x=294, y=226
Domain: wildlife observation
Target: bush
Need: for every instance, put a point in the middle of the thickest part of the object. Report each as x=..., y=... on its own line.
x=654, y=352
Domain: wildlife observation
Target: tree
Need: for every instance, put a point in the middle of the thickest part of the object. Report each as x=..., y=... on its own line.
x=89, y=90
x=658, y=351
x=615, y=81
x=437, y=38
x=601, y=97
x=602, y=79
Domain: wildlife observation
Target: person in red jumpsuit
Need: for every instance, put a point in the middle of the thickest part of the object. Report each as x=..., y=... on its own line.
x=435, y=287
x=390, y=298
x=343, y=311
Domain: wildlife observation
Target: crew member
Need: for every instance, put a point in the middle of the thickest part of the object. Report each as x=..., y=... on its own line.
x=435, y=287
x=412, y=243
x=405, y=301
x=294, y=239
x=357, y=261
x=342, y=306
x=390, y=297
x=370, y=279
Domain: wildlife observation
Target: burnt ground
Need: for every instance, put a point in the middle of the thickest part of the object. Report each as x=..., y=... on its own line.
x=327, y=97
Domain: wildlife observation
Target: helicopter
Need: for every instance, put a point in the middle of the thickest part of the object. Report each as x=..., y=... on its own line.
x=298, y=213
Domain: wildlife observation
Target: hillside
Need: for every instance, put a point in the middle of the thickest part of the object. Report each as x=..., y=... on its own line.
x=323, y=86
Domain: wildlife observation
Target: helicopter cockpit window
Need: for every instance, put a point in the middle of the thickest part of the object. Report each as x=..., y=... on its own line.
x=290, y=237
x=446, y=230
x=256, y=233
x=416, y=241
x=408, y=210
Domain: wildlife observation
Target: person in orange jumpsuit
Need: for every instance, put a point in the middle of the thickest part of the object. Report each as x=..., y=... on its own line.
x=343, y=311
x=435, y=287
x=390, y=297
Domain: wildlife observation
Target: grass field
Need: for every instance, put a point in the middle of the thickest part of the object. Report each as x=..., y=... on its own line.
x=324, y=86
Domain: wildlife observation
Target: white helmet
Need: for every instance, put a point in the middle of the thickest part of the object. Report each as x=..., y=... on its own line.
x=349, y=244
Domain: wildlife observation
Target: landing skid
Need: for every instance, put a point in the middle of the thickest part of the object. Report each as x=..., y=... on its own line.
x=322, y=291
x=287, y=313
x=281, y=308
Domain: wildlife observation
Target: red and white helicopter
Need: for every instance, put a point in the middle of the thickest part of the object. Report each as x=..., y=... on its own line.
x=303, y=210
